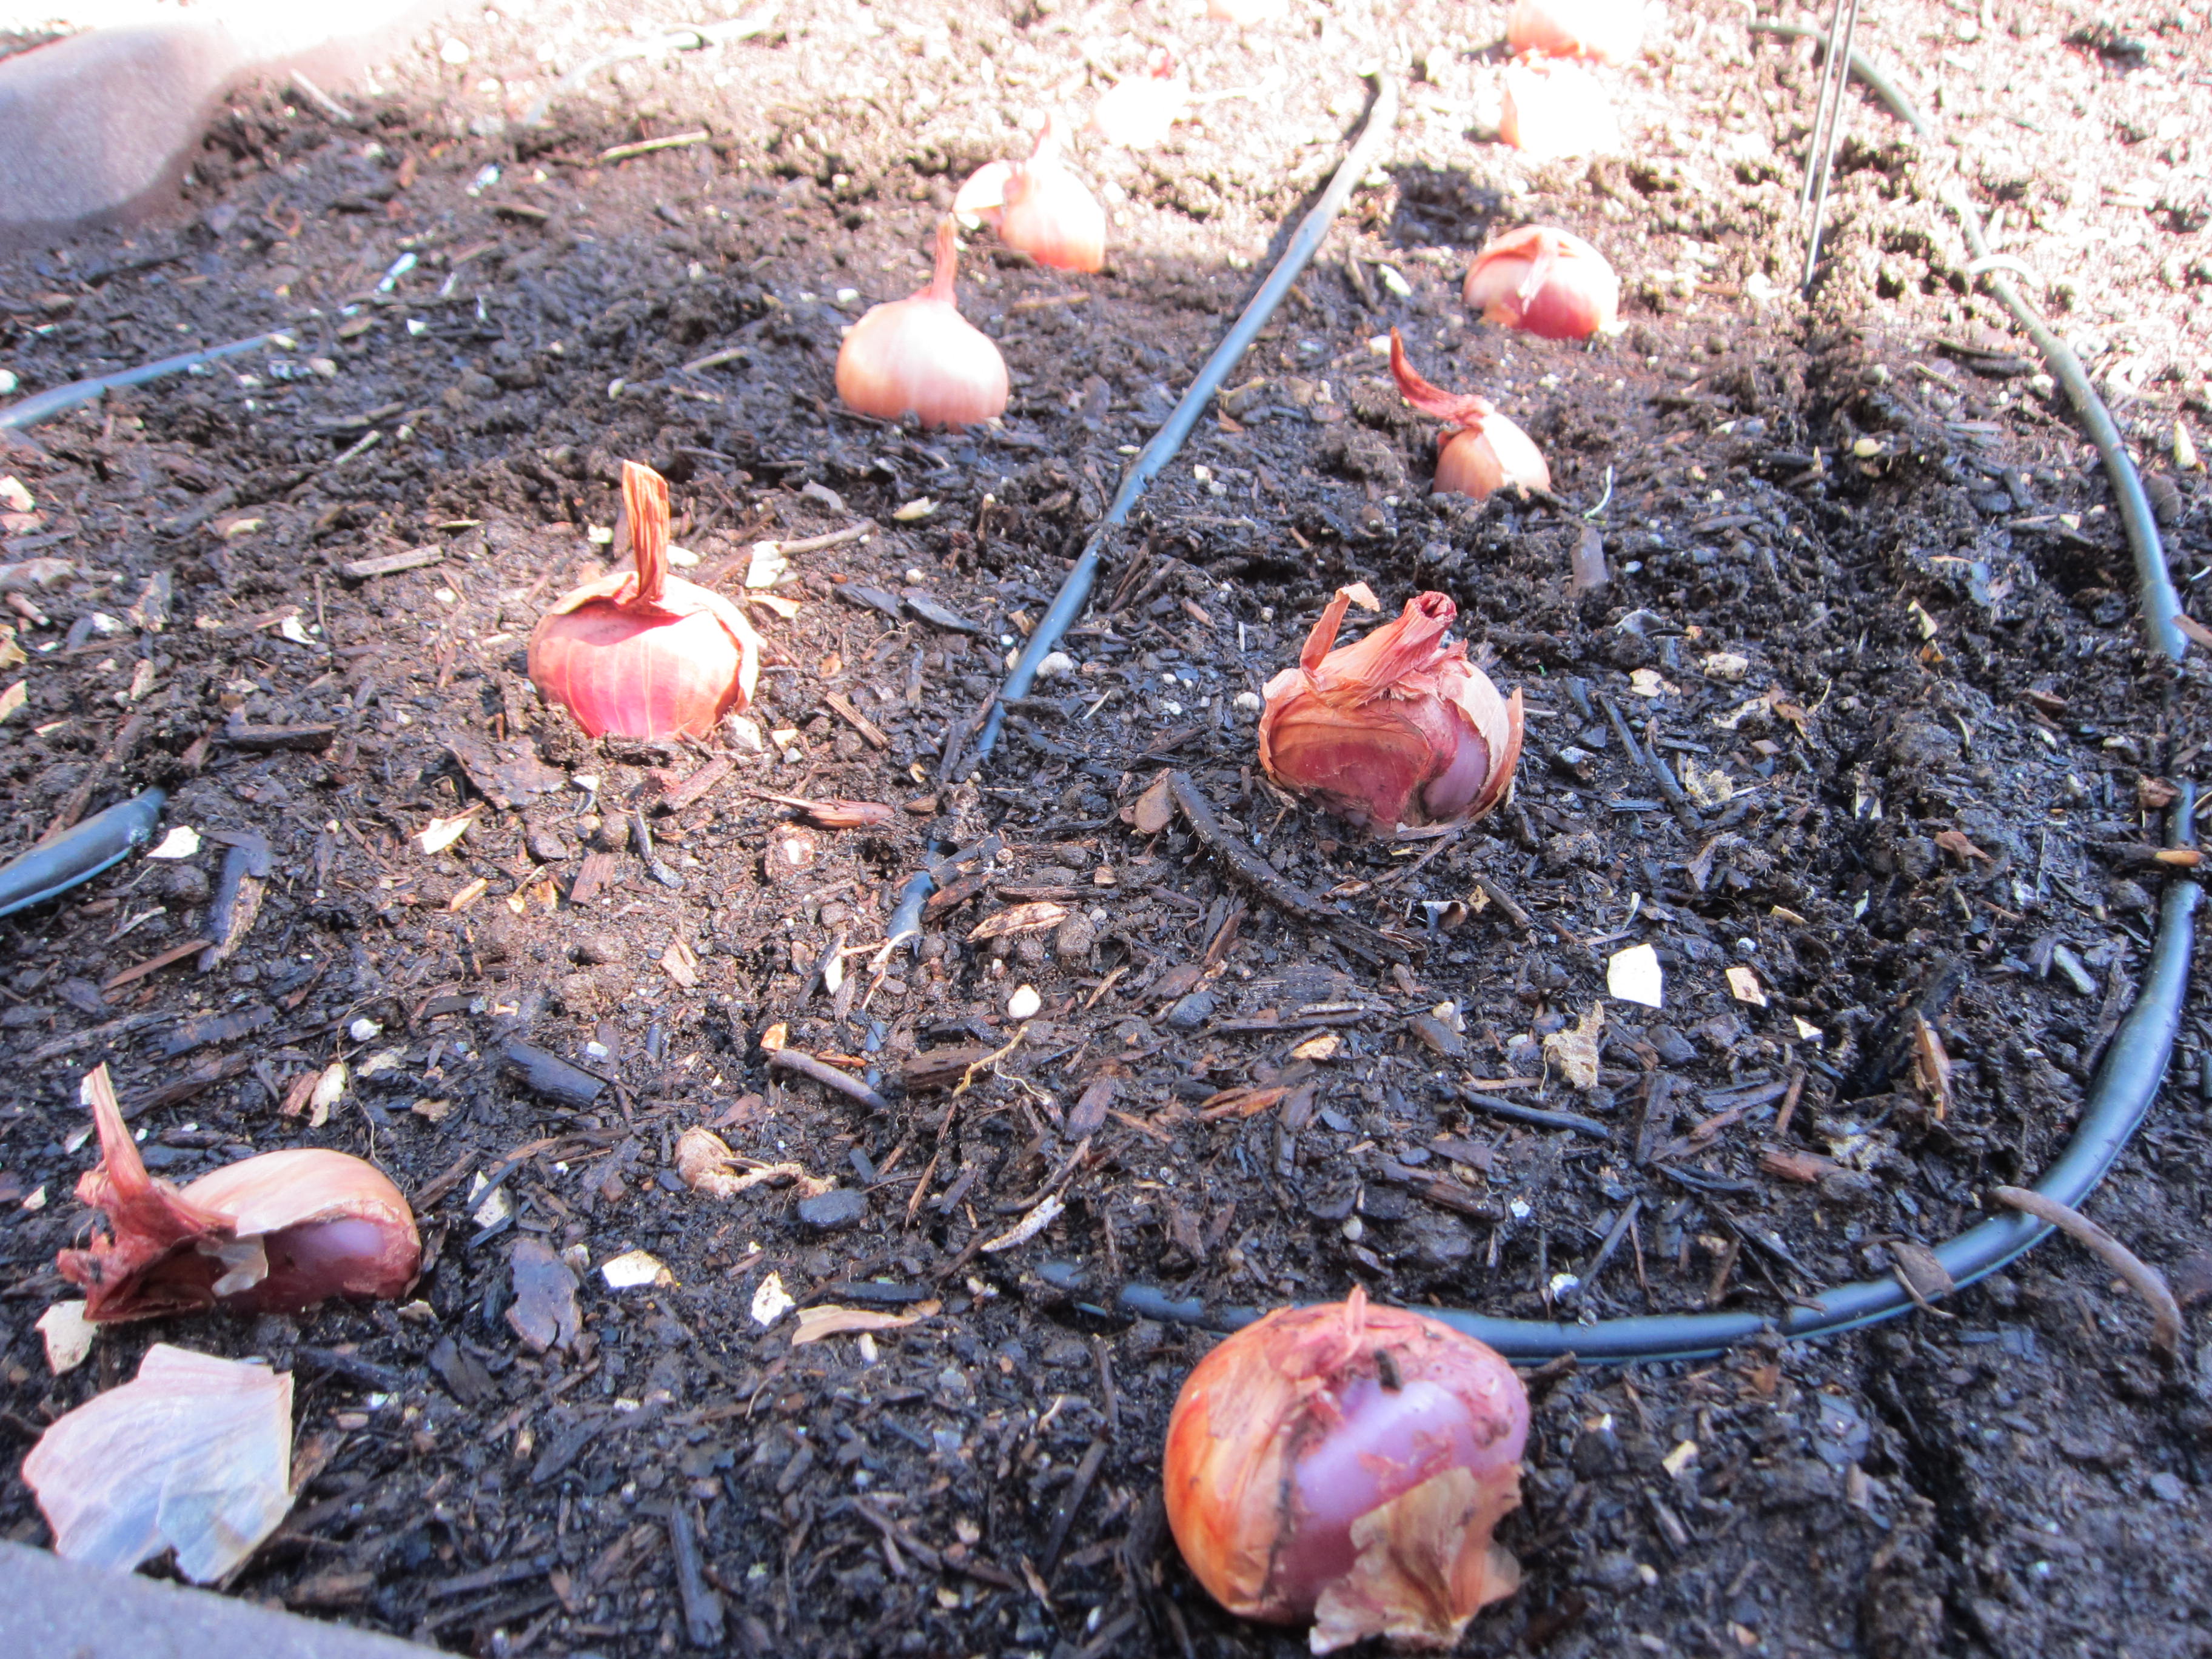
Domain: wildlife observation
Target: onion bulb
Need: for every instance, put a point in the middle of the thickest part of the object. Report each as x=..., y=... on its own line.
x=1548, y=281
x=1551, y=108
x=272, y=1234
x=1396, y=728
x=920, y=356
x=1608, y=30
x=1137, y=111
x=642, y=653
x=1349, y=1464
x=1039, y=207
x=1482, y=452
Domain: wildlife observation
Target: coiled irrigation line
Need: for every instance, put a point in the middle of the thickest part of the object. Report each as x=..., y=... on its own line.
x=2125, y=1085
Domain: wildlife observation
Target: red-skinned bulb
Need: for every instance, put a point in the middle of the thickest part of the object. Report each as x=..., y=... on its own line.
x=1609, y=31
x=920, y=356
x=643, y=653
x=1546, y=281
x=1482, y=451
x=1039, y=207
x=1550, y=108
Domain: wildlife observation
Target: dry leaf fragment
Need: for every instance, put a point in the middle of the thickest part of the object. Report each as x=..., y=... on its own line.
x=1322, y=1045
x=770, y=1300
x=1743, y=985
x=328, y=1089
x=1924, y=1277
x=632, y=1269
x=1574, y=1050
x=707, y=1165
x=682, y=964
x=67, y=1335
x=1022, y=918
x=1931, y=1066
x=1954, y=842
x=440, y=833
x=13, y=699
x=194, y=1455
x=1634, y=975
x=830, y=1319
x=1152, y=812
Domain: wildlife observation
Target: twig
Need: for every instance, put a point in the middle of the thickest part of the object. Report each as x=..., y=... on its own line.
x=1662, y=774
x=322, y=100
x=792, y=1059
x=2144, y=1280
x=1504, y=900
x=647, y=146
x=1537, y=1116
x=1249, y=868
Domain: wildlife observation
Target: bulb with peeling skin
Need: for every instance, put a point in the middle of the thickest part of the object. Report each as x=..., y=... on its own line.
x=1349, y=1464
x=1482, y=452
x=277, y=1233
x=1609, y=31
x=1395, y=728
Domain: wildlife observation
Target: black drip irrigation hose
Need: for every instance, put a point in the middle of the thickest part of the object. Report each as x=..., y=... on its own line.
x=45, y=405
x=2162, y=604
x=1067, y=604
x=2126, y=1084
x=100, y=842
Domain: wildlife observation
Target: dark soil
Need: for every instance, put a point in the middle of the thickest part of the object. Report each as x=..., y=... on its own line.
x=1868, y=602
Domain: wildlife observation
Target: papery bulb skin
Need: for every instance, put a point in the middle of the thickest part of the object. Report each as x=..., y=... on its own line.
x=277, y=1233
x=1547, y=282
x=1349, y=1464
x=1395, y=729
x=920, y=356
x=1485, y=452
x=643, y=654
x=1137, y=111
x=1608, y=31
x=1553, y=108
x=1039, y=207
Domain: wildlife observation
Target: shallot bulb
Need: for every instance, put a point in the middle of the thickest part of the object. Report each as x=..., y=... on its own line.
x=1608, y=30
x=272, y=1234
x=1039, y=207
x=642, y=653
x=920, y=356
x=1396, y=728
x=1137, y=111
x=1552, y=109
x=1349, y=1464
x=1482, y=451
x=1546, y=281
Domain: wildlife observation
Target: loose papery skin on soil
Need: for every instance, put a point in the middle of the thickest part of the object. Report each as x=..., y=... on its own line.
x=1349, y=1463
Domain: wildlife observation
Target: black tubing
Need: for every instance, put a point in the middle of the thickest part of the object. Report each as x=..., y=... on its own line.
x=102, y=841
x=1067, y=604
x=2153, y=583
x=48, y=404
x=2126, y=1084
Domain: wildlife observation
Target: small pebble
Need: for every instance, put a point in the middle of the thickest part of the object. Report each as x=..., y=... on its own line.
x=1024, y=1003
x=363, y=1029
x=1191, y=1012
x=840, y=1207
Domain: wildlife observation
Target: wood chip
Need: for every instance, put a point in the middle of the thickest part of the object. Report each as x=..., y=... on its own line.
x=830, y=1319
x=1022, y=918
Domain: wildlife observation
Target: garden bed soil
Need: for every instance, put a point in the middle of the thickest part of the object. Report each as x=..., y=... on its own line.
x=1868, y=603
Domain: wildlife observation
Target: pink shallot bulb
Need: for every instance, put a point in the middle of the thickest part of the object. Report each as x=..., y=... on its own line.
x=1608, y=30
x=1552, y=109
x=276, y=1233
x=1482, y=451
x=1039, y=207
x=643, y=653
x=1396, y=728
x=1137, y=111
x=1348, y=1464
x=1545, y=280
x=920, y=356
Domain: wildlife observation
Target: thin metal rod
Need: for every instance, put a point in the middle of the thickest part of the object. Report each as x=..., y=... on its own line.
x=1835, y=111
